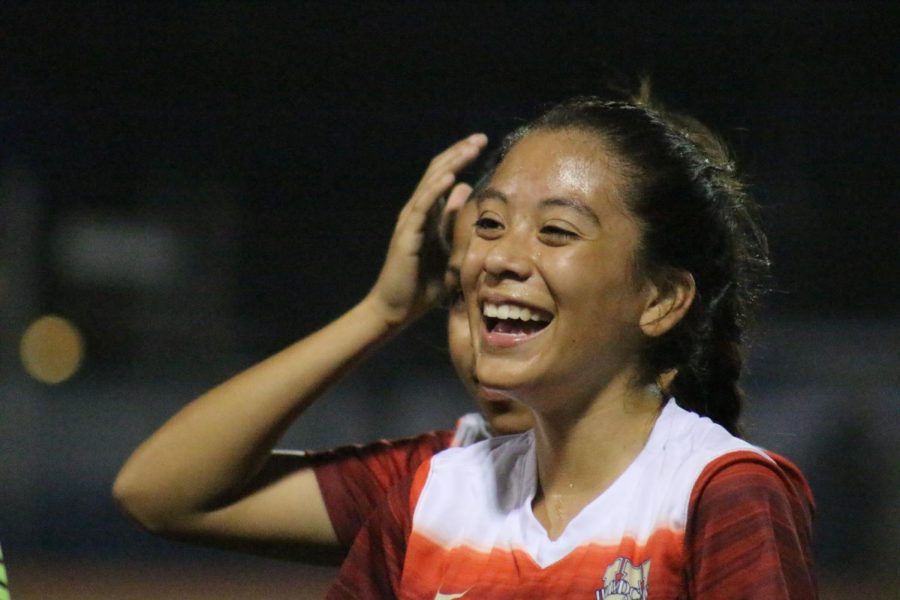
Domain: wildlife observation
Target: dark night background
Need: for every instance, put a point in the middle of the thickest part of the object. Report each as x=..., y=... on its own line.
x=263, y=151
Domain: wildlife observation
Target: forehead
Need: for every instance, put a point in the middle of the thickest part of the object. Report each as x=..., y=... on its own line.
x=564, y=163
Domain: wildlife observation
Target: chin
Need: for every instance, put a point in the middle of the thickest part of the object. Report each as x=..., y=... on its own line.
x=504, y=384
x=515, y=420
x=502, y=377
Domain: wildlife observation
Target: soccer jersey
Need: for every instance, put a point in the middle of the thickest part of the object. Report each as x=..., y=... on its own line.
x=698, y=514
x=354, y=480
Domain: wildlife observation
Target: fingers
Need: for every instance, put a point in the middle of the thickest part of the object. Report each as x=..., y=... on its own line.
x=458, y=196
x=441, y=172
x=412, y=275
x=458, y=155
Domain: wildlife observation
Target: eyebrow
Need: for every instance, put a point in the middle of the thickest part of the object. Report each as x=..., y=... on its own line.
x=578, y=205
x=486, y=193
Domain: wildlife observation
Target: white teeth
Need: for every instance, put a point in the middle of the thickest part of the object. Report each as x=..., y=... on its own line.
x=511, y=311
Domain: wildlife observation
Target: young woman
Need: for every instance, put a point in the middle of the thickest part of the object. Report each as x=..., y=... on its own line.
x=209, y=474
x=623, y=234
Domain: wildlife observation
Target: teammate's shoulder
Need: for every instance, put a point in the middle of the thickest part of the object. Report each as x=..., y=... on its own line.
x=470, y=429
x=490, y=450
x=494, y=474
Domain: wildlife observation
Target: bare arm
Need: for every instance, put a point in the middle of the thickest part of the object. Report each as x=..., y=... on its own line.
x=209, y=474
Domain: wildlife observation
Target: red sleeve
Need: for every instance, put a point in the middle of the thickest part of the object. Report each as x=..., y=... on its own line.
x=749, y=531
x=374, y=566
x=355, y=479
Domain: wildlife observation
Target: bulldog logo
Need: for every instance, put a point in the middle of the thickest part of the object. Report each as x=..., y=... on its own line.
x=624, y=581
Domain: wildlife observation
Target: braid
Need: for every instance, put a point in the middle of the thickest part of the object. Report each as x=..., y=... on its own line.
x=728, y=281
x=706, y=382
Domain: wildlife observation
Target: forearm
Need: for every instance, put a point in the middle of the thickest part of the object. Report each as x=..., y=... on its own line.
x=215, y=445
x=201, y=477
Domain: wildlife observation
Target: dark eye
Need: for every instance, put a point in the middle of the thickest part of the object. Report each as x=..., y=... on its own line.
x=488, y=228
x=487, y=223
x=558, y=233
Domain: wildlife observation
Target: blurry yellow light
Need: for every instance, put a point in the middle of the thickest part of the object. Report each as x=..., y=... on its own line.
x=52, y=349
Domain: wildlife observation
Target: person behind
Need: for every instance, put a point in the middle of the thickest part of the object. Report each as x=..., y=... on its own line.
x=353, y=480
x=210, y=475
x=623, y=233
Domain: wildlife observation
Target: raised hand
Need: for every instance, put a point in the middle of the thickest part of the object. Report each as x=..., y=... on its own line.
x=209, y=474
x=411, y=280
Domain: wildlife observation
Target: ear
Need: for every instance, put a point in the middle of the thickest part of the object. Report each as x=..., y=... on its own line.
x=670, y=297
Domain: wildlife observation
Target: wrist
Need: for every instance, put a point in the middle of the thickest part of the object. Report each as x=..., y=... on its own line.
x=388, y=319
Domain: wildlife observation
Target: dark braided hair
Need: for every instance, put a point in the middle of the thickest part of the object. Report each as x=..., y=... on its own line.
x=695, y=216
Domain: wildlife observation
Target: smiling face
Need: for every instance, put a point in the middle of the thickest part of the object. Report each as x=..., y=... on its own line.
x=503, y=415
x=552, y=291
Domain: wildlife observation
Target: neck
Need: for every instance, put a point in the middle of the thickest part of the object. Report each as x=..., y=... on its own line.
x=581, y=453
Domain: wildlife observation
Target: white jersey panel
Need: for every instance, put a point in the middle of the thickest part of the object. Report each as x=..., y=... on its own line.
x=480, y=496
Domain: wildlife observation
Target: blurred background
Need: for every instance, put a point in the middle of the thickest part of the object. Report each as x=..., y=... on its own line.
x=186, y=188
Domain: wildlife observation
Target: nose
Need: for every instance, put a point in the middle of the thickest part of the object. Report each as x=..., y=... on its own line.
x=509, y=257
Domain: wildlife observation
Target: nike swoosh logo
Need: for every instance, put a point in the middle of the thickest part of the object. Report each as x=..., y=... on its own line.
x=440, y=596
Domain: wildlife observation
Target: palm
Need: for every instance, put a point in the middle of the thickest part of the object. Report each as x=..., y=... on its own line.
x=411, y=280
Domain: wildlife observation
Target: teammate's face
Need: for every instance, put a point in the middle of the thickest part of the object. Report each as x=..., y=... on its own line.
x=549, y=278
x=503, y=415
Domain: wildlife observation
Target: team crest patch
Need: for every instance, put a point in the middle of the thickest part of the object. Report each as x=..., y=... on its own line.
x=624, y=581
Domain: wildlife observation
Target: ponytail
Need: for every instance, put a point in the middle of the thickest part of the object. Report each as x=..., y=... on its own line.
x=706, y=381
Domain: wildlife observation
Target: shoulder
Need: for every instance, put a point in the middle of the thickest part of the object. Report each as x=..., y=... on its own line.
x=353, y=480
x=470, y=428
x=377, y=466
x=683, y=445
x=793, y=478
x=747, y=509
x=493, y=474
x=429, y=442
x=487, y=452
x=688, y=433
x=688, y=444
x=753, y=482
x=397, y=456
x=745, y=506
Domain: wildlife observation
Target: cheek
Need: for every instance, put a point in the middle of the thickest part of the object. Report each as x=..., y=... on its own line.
x=469, y=272
x=577, y=280
x=595, y=288
x=459, y=340
x=471, y=265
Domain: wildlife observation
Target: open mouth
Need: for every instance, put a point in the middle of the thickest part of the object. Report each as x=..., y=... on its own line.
x=514, y=319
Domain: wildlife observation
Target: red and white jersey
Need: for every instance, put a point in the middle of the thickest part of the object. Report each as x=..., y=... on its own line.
x=464, y=528
x=354, y=480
